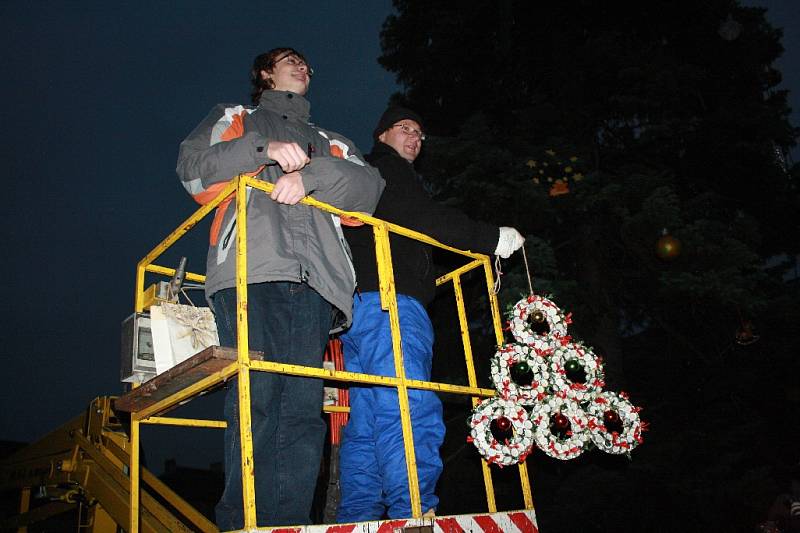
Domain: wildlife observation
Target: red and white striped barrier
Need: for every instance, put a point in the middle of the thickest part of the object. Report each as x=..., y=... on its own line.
x=503, y=522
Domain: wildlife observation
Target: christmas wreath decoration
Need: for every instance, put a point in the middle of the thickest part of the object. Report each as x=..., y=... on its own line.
x=614, y=423
x=561, y=427
x=535, y=319
x=544, y=382
x=577, y=373
x=501, y=430
x=521, y=373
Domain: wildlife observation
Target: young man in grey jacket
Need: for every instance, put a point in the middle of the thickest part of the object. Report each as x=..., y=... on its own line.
x=300, y=278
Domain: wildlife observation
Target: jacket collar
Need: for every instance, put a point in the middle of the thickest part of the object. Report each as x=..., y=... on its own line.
x=380, y=149
x=286, y=103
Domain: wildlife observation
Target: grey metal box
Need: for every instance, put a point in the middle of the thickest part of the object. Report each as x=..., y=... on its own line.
x=137, y=360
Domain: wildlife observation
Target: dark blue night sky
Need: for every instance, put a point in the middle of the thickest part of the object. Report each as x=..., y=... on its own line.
x=96, y=97
x=96, y=101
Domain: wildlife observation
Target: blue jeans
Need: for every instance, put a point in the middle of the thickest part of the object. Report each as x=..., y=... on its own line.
x=289, y=322
x=372, y=461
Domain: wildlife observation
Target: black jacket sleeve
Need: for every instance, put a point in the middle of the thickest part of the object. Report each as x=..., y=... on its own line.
x=406, y=202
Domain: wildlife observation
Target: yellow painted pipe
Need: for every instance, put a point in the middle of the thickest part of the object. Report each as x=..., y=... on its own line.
x=185, y=422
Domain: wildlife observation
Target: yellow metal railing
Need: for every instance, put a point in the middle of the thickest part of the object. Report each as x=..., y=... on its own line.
x=243, y=365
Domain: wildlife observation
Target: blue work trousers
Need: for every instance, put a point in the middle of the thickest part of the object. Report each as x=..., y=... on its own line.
x=373, y=475
x=289, y=322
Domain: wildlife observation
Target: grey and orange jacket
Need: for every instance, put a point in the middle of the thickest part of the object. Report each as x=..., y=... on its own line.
x=284, y=243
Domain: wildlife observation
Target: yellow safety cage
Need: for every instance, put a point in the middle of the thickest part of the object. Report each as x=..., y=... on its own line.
x=243, y=365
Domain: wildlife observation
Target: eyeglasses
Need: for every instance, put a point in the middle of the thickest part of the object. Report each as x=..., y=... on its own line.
x=411, y=132
x=296, y=62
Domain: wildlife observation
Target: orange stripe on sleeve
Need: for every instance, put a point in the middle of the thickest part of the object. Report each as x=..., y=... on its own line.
x=336, y=151
x=236, y=129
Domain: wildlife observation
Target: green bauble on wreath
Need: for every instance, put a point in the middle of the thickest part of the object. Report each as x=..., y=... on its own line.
x=667, y=246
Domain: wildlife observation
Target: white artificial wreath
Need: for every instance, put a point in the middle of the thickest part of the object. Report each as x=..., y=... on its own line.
x=632, y=426
x=577, y=437
x=520, y=326
x=509, y=355
x=592, y=366
x=511, y=451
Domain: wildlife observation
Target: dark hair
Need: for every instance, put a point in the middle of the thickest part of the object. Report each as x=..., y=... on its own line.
x=266, y=61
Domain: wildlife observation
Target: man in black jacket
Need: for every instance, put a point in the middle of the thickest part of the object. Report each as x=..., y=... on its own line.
x=373, y=474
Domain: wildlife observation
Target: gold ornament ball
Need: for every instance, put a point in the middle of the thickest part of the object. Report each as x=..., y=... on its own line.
x=538, y=317
x=668, y=247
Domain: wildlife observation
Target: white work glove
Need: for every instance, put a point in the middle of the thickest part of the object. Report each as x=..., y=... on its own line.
x=509, y=242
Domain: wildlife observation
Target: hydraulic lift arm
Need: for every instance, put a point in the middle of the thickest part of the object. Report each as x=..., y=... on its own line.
x=85, y=463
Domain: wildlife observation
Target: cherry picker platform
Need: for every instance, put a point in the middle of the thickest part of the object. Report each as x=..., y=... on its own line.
x=92, y=463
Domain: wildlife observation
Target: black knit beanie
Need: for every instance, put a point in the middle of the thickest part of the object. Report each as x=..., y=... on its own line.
x=393, y=115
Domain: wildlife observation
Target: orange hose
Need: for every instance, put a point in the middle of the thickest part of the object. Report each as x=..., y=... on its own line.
x=333, y=352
